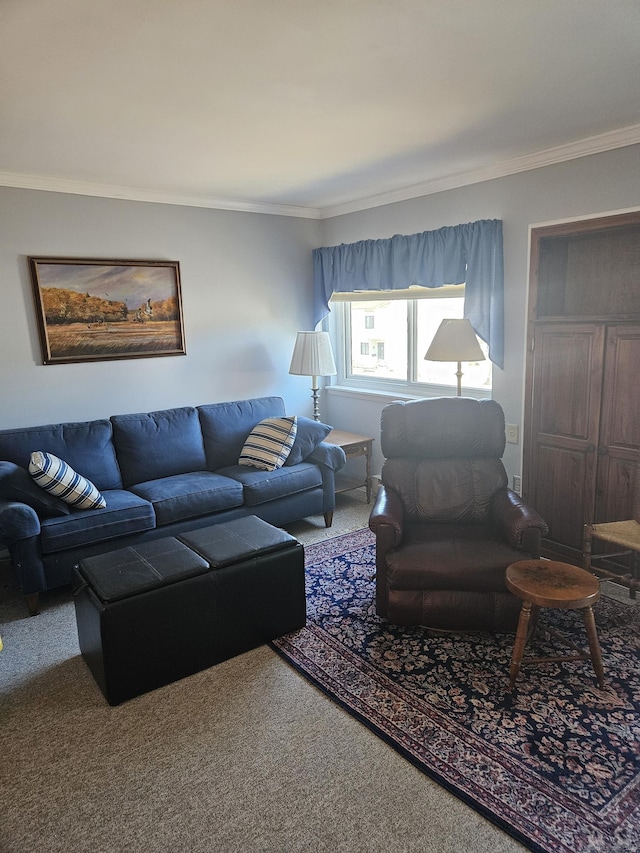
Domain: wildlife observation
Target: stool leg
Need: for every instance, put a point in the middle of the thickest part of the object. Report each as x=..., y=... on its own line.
x=594, y=645
x=520, y=642
x=535, y=612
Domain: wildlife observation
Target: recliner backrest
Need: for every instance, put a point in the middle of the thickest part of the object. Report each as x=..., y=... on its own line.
x=444, y=457
x=445, y=490
x=443, y=427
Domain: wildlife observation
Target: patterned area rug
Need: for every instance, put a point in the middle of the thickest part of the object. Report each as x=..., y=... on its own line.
x=556, y=764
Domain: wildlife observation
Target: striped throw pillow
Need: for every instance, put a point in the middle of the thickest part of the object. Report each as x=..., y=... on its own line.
x=56, y=477
x=269, y=443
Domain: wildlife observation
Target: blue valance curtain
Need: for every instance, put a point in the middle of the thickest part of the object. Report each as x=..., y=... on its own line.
x=469, y=254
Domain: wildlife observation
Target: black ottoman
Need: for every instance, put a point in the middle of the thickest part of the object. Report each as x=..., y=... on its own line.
x=163, y=610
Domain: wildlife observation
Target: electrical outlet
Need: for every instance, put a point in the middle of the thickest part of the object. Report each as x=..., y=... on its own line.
x=512, y=433
x=517, y=484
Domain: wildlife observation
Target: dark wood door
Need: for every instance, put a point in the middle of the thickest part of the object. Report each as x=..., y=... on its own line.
x=582, y=398
x=619, y=438
x=585, y=429
x=560, y=478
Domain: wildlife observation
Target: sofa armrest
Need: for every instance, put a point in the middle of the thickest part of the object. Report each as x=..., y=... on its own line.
x=19, y=531
x=518, y=522
x=387, y=518
x=17, y=521
x=329, y=458
x=329, y=455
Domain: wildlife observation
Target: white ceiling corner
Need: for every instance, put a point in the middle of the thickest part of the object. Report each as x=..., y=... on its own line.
x=308, y=108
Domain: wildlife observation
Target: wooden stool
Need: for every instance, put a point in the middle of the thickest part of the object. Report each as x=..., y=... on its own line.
x=544, y=583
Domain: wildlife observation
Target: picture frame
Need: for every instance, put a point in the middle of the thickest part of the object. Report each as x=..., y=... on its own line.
x=91, y=309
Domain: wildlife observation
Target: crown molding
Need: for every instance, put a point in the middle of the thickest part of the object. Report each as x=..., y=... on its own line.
x=37, y=182
x=571, y=151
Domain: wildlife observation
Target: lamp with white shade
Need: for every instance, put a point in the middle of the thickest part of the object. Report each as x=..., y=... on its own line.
x=313, y=356
x=455, y=340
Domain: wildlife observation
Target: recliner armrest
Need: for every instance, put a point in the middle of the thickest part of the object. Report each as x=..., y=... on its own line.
x=387, y=514
x=520, y=523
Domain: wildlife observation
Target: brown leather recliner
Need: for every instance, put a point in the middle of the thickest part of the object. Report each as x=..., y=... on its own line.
x=446, y=524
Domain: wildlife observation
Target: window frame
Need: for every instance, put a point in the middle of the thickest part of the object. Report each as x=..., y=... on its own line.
x=340, y=330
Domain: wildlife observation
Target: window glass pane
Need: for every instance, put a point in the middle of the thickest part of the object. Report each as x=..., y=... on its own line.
x=379, y=339
x=430, y=313
x=389, y=337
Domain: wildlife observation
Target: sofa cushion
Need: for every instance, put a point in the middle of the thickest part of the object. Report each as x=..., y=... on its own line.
x=269, y=443
x=17, y=485
x=262, y=486
x=308, y=437
x=59, y=479
x=86, y=446
x=158, y=444
x=225, y=426
x=190, y=495
x=125, y=513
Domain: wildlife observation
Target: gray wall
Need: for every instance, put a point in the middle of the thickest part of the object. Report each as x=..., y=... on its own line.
x=589, y=186
x=246, y=290
x=246, y=287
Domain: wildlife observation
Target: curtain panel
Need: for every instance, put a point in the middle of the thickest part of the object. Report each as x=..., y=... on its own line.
x=469, y=254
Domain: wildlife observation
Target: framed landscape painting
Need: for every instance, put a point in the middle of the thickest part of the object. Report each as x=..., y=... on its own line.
x=97, y=310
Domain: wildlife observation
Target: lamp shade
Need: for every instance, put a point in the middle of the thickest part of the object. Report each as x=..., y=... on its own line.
x=312, y=355
x=454, y=340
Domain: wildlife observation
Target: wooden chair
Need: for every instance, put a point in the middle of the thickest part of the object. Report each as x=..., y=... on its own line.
x=624, y=536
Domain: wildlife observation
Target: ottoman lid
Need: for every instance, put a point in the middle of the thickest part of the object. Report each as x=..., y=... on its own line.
x=130, y=571
x=233, y=541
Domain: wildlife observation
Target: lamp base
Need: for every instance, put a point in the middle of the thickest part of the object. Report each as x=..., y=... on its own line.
x=316, y=404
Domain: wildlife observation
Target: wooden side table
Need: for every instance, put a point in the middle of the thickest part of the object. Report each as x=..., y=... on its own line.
x=353, y=445
x=545, y=583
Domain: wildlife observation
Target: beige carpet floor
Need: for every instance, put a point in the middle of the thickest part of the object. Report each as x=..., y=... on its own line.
x=245, y=756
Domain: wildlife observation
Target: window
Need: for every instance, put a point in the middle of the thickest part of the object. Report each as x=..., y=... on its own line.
x=382, y=342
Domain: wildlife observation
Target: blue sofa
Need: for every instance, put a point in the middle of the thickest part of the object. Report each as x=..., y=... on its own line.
x=161, y=473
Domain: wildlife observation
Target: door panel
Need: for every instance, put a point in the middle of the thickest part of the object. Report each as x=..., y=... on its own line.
x=582, y=397
x=565, y=412
x=560, y=491
x=614, y=492
x=619, y=444
x=565, y=365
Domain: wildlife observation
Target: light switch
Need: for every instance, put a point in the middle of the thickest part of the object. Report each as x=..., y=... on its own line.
x=512, y=433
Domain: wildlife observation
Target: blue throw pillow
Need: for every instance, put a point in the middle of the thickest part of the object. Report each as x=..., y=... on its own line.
x=17, y=485
x=310, y=434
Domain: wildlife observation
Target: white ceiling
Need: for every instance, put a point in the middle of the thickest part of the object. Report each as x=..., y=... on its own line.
x=308, y=107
